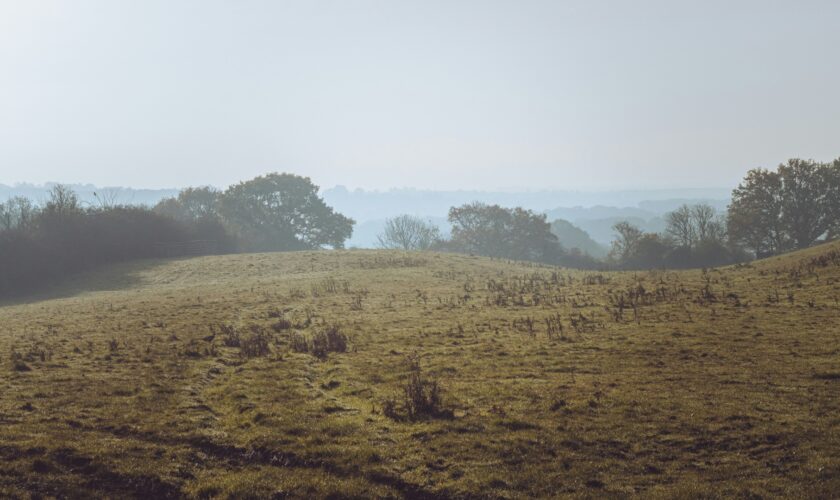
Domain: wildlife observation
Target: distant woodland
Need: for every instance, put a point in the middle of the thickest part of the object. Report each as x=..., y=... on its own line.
x=771, y=212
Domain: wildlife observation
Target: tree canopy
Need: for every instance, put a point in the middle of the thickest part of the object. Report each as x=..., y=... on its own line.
x=791, y=207
x=273, y=212
x=283, y=212
x=494, y=231
x=192, y=204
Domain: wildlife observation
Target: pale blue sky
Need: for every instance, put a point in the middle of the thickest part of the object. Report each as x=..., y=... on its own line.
x=430, y=94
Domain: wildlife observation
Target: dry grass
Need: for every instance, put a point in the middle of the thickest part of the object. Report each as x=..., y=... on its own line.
x=197, y=378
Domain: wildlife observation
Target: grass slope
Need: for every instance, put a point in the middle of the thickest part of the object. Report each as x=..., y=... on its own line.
x=725, y=383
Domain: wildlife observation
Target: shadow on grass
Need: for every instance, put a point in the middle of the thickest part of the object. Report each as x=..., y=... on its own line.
x=105, y=278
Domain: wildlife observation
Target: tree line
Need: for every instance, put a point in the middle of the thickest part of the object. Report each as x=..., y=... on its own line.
x=771, y=212
x=41, y=244
x=695, y=236
x=488, y=230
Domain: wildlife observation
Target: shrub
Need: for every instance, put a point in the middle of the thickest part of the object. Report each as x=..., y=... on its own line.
x=299, y=342
x=231, y=336
x=281, y=325
x=329, y=340
x=389, y=408
x=321, y=343
x=255, y=345
x=422, y=397
x=63, y=237
x=18, y=364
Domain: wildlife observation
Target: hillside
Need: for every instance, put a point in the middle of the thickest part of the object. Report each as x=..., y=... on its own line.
x=573, y=237
x=202, y=377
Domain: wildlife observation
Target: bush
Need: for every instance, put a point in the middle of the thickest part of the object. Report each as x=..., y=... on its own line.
x=231, y=336
x=299, y=342
x=422, y=397
x=281, y=325
x=18, y=364
x=330, y=340
x=254, y=345
x=62, y=238
x=321, y=343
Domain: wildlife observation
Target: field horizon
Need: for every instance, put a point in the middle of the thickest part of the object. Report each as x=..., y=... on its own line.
x=292, y=374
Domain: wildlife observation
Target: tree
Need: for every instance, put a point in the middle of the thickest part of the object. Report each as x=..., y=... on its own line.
x=833, y=176
x=680, y=226
x=806, y=207
x=107, y=198
x=712, y=252
x=635, y=249
x=15, y=213
x=704, y=219
x=530, y=238
x=283, y=212
x=790, y=208
x=495, y=231
x=480, y=228
x=754, y=218
x=191, y=204
x=63, y=201
x=625, y=246
x=699, y=235
x=407, y=232
x=650, y=252
x=716, y=230
x=63, y=238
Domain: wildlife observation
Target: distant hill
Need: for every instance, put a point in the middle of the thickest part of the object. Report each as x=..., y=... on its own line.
x=601, y=230
x=593, y=212
x=119, y=195
x=648, y=215
x=364, y=205
x=571, y=236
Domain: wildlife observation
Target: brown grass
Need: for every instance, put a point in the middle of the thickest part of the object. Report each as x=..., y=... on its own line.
x=197, y=378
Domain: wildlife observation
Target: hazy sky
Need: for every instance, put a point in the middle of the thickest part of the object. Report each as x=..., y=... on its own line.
x=449, y=94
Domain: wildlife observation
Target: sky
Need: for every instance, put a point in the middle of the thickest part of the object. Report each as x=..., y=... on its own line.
x=456, y=94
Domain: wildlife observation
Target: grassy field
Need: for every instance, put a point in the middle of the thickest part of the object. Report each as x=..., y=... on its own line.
x=289, y=374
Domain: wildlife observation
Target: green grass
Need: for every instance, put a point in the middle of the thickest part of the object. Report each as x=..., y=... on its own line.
x=724, y=383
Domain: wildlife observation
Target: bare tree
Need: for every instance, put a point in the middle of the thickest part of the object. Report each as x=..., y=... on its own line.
x=703, y=219
x=408, y=232
x=717, y=230
x=681, y=226
x=15, y=213
x=626, y=244
x=63, y=201
x=107, y=197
